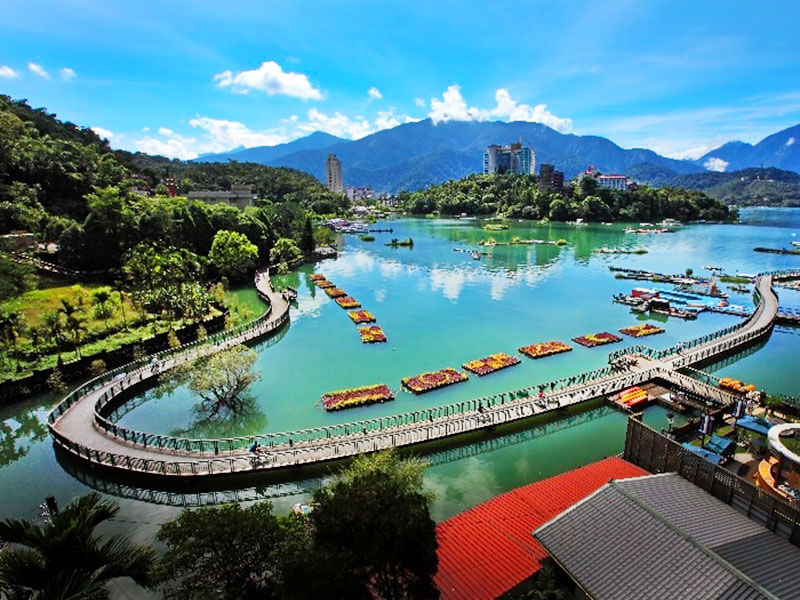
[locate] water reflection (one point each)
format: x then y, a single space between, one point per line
18 434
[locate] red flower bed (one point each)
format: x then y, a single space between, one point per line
544 349
642 330
335 292
348 302
361 316
431 381
317 277
360 396
322 283
371 334
597 339
490 364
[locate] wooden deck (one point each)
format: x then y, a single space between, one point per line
80 427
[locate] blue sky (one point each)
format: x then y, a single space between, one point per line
182 78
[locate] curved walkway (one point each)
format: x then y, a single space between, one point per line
78 424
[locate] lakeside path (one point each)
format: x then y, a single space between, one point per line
79 427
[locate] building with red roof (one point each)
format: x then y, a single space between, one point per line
487 550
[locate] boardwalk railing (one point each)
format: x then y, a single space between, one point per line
292 448
134 371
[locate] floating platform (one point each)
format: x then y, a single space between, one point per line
491 364
544 349
360 396
426 382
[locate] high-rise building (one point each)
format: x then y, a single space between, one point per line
333 173
514 158
550 179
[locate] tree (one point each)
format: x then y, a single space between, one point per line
233 254
307 237
99 299
11 324
65 558
77 328
228 552
15 279
372 532
220 380
284 251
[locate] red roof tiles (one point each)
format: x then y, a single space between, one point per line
487 550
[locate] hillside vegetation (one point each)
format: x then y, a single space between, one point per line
748 187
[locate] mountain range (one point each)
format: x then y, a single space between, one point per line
414 155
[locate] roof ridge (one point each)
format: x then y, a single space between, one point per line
700 546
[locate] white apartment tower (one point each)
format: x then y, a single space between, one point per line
333 174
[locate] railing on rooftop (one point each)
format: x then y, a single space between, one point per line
657 453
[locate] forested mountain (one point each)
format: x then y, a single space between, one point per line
63 183
762 187
781 150
413 155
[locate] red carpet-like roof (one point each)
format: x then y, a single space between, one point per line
487 550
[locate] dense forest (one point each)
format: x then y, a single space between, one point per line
520 196
65 184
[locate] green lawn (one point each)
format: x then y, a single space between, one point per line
105 334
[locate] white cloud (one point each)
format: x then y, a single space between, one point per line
67 74
38 70
7 72
689 154
453 107
225 135
374 93
420 102
337 124
716 164
790 141
145 129
103 132
269 78
218 135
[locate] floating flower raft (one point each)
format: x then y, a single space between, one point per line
544 349
597 339
371 334
490 364
335 292
348 302
317 277
360 396
361 316
322 283
642 330
431 381
734 384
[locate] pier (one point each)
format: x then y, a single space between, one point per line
82 427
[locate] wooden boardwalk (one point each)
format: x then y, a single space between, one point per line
79 424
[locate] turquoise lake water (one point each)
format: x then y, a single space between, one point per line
440 308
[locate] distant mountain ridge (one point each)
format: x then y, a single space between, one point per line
780 150
414 155
264 154
752 186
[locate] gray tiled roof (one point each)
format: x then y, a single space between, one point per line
661 537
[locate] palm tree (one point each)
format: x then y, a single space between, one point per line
11 323
54 328
76 327
65 559
99 299
119 289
